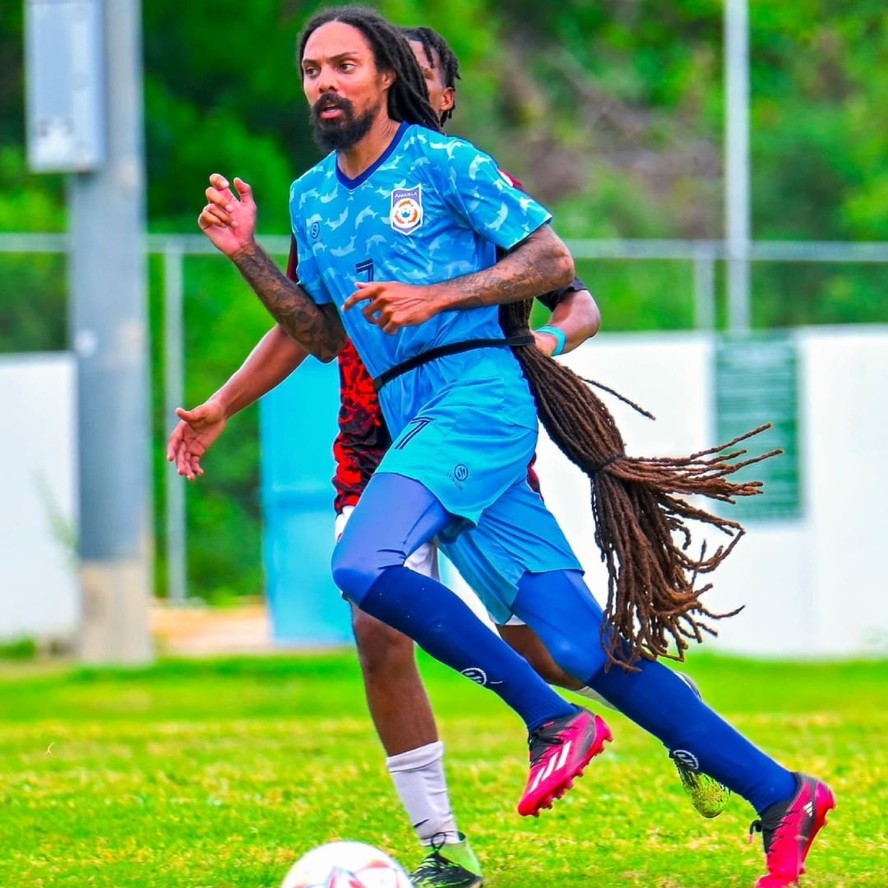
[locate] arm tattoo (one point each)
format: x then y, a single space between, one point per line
315 329
537 265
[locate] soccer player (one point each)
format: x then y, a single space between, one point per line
411 214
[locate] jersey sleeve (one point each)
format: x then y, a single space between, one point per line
309 276
487 200
553 298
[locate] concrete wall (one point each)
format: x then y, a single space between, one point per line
38 590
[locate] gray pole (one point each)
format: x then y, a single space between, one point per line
109 326
737 162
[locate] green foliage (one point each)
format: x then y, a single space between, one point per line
223 321
33 299
32 303
645 295
19 649
221 773
228 57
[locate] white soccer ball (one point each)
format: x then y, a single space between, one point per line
346 865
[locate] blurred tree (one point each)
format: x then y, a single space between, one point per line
33 303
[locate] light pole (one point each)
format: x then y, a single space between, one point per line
85 118
737 215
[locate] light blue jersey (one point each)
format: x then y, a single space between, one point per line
432 208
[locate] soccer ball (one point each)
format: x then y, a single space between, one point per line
346 865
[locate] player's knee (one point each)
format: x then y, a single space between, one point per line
527 643
573 661
352 575
358 563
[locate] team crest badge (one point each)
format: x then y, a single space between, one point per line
406 214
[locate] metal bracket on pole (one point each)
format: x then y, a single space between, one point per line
65 85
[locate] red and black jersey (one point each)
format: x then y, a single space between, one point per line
363 436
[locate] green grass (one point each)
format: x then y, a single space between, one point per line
218 774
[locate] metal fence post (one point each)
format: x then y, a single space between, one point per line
173 350
704 287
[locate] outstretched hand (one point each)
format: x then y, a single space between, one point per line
392 305
193 436
228 220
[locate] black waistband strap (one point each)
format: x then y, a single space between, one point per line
453 348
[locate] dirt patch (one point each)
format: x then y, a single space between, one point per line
199 630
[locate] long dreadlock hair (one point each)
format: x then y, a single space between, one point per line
641 516
435 45
408 96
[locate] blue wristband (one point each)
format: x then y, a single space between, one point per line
560 337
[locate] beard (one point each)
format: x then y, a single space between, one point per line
344 132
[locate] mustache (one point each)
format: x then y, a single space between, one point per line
326 103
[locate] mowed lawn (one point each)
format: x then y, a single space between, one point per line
220 773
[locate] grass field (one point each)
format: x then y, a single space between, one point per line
218 774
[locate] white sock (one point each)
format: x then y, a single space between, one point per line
589 694
419 779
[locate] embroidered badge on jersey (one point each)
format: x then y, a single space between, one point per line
406 213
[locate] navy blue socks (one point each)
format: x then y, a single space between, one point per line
444 626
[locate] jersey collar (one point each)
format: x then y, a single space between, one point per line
363 177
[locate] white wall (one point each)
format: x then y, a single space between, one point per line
845 404
813 586
38 591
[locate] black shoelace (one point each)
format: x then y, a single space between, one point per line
540 740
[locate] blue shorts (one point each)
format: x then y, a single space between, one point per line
466 427
515 535
473 432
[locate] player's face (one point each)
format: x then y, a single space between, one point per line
441 97
344 88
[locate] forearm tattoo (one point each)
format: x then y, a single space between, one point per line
540 264
317 331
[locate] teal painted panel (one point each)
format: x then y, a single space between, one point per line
298 423
756 382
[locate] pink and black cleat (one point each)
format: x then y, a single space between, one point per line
788 830
559 752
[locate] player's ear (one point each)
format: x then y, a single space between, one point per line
388 78
448 99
